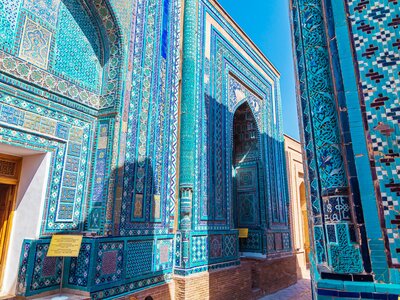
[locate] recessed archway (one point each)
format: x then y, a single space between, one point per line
245 161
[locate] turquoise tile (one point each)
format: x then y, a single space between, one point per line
352 286
330 284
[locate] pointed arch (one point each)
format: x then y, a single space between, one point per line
246 133
246 181
111 95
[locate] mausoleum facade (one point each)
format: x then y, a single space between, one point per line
151 127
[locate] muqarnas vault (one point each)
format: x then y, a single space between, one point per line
347 57
152 128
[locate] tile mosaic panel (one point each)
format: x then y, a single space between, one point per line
254 242
337 209
345 260
215 244
42 40
79 266
139 258
23 268
47 270
286 240
164 255
149 183
199 249
100 182
109 262
247 209
270 242
67 179
35 43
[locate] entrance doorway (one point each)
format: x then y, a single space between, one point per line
9 178
246 160
306 237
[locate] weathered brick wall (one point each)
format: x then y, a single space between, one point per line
270 276
231 283
162 292
251 280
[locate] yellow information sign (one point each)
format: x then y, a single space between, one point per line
243 233
65 245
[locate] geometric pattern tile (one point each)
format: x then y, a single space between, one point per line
164 255
215 246
78 42
9 11
109 262
375 34
46 9
79 267
47 270
230 245
199 249
139 258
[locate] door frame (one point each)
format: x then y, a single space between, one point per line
12 181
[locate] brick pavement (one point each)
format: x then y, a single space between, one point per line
300 291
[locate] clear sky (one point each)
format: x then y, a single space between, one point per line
266 22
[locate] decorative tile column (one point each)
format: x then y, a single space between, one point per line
187 119
335 242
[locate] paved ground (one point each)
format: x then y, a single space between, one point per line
300 291
64 297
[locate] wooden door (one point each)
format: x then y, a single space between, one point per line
6 206
9 179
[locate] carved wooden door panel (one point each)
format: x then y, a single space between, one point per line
247 196
246 156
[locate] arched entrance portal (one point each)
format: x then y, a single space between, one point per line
246 161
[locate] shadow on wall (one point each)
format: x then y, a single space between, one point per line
125 259
239 186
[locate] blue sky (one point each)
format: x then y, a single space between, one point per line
266 22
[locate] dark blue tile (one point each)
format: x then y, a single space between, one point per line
327 293
367 295
349 294
380 296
